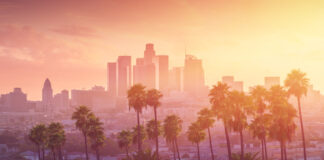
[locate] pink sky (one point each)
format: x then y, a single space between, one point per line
70 42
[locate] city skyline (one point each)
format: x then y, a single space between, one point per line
231 39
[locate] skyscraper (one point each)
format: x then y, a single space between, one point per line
175 79
124 74
233 85
162 72
149 53
194 80
47 95
112 79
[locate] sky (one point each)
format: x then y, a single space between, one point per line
71 41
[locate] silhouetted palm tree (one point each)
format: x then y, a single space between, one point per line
260 123
196 135
172 127
150 129
283 114
82 115
297 84
218 97
96 134
241 108
125 139
135 134
137 99
153 100
38 135
206 121
56 139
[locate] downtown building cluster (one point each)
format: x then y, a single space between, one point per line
153 71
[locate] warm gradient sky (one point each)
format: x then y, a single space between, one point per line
70 41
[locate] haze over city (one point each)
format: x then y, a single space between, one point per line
161 80
71 42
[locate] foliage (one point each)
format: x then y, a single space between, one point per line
172 127
137 97
150 129
195 133
153 97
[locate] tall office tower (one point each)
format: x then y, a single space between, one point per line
271 81
162 72
112 79
124 75
233 85
61 101
47 96
139 72
149 53
15 101
194 80
175 79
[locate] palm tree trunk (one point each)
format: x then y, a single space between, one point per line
86 146
176 142
39 152
97 153
265 148
228 143
302 127
198 151
281 150
285 151
242 145
54 156
139 142
174 150
157 135
262 148
127 153
210 144
43 150
60 153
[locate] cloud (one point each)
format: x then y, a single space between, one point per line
23 42
73 30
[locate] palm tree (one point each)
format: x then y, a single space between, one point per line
218 97
150 129
258 128
241 107
172 127
153 100
38 135
137 99
56 138
206 121
125 139
247 156
82 115
196 135
96 134
283 114
142 134
297 84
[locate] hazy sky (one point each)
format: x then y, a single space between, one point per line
70 41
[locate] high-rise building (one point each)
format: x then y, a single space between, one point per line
175 79
233 85
61 100
47 96
194 79
112 79
15 101
149 53
271 81
124 74
162 72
